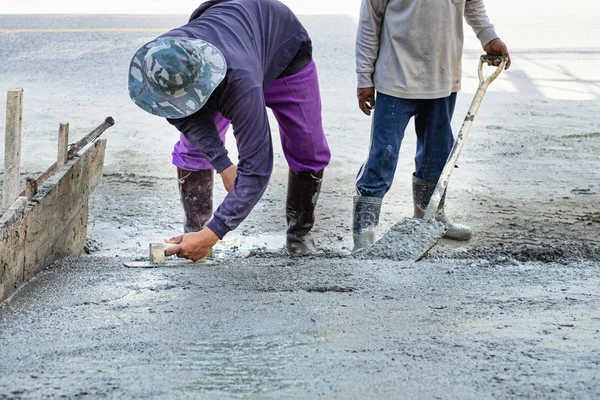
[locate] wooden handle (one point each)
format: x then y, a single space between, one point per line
486 58
459 142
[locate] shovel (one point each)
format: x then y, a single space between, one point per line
412 238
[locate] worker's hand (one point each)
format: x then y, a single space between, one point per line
366 99
193 246
497 48
228 176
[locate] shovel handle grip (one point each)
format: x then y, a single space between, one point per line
487 59
491 58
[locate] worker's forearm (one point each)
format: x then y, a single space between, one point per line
247 191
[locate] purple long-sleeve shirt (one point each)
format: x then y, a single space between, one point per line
259 40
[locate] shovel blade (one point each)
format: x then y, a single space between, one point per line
408 240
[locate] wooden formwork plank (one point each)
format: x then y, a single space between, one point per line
12 149
60 208
51 221
63 145
50 225
86 140
74 235
30 187
14 212
12 257
90 137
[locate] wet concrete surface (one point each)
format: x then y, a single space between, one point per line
273 327
513 313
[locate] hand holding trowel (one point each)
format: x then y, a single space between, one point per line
158 258
412 238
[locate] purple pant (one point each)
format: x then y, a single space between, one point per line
296 104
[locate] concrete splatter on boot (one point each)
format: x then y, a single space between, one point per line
196 191
365 221
302 195
422 191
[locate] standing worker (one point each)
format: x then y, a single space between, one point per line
410 52
230 61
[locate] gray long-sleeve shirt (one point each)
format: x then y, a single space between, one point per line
412 49
259 40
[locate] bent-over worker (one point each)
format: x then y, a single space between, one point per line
231 60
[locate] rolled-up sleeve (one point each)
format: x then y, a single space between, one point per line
367 40
253 137
476 17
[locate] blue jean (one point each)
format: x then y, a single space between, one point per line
390 118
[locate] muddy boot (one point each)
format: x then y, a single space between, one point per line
196 191
422 191
365 221
303 192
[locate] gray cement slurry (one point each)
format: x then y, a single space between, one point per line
408 240
289 327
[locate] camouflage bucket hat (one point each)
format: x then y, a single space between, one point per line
173 77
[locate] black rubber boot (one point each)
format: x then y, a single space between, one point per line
196 191
422 191
365 221
302 195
